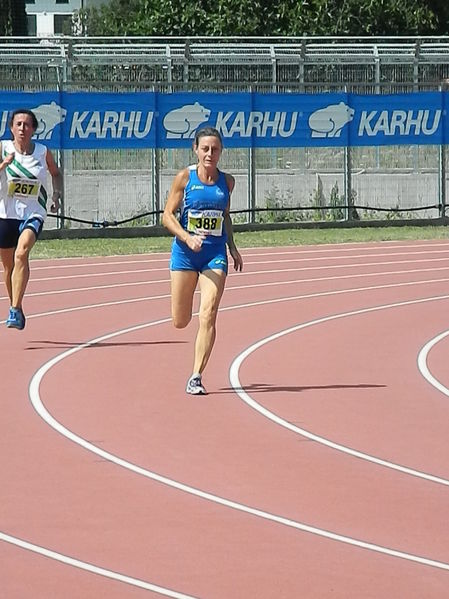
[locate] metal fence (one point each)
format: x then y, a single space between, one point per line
281 184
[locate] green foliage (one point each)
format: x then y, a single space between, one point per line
266 17
280 208
187 18
334 210
365 17
336 201
13 19
319 201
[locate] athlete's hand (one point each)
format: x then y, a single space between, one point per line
194 242
238 260
56 197
7 160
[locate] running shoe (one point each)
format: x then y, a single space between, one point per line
194 385
16 319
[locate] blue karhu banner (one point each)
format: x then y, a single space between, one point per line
159 120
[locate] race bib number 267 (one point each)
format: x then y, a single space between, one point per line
24 189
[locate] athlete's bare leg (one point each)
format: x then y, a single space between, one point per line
212 284
7 257
21 271
183 285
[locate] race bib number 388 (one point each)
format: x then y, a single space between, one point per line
206 222
24 189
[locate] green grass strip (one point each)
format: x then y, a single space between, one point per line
65 248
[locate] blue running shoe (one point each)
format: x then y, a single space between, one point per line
16 319
195 386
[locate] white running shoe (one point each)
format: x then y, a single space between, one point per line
194 385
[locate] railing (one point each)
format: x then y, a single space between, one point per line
136 50
276 181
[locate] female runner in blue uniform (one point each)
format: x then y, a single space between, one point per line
202 194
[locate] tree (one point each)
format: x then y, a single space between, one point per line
267 17
13 20
440 8
362 17
187 18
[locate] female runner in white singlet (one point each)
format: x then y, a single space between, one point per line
24 166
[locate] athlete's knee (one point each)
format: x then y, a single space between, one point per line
21 255
180 321
208 316
180 324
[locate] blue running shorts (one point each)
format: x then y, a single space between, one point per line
11 228
211 256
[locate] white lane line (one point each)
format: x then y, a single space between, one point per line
343 247
283 299
108 273
98 287
57 265
70 561
230 287
353 256
250 272
342 277
232 275
236 384
247 272
423 366
336 266
60 428
251 252
298 256
92 306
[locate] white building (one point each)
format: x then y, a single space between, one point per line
54 17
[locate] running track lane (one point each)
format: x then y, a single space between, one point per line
323 474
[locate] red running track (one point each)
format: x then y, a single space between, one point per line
317 467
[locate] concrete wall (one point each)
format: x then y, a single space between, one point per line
118 195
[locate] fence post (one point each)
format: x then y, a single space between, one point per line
347 179
442 163
63 74
252 185
156 169
252 177
442 179
347 183
377 92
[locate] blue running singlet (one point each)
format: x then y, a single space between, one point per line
202 211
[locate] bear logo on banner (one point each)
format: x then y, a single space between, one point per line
181 123
329 121
48 116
